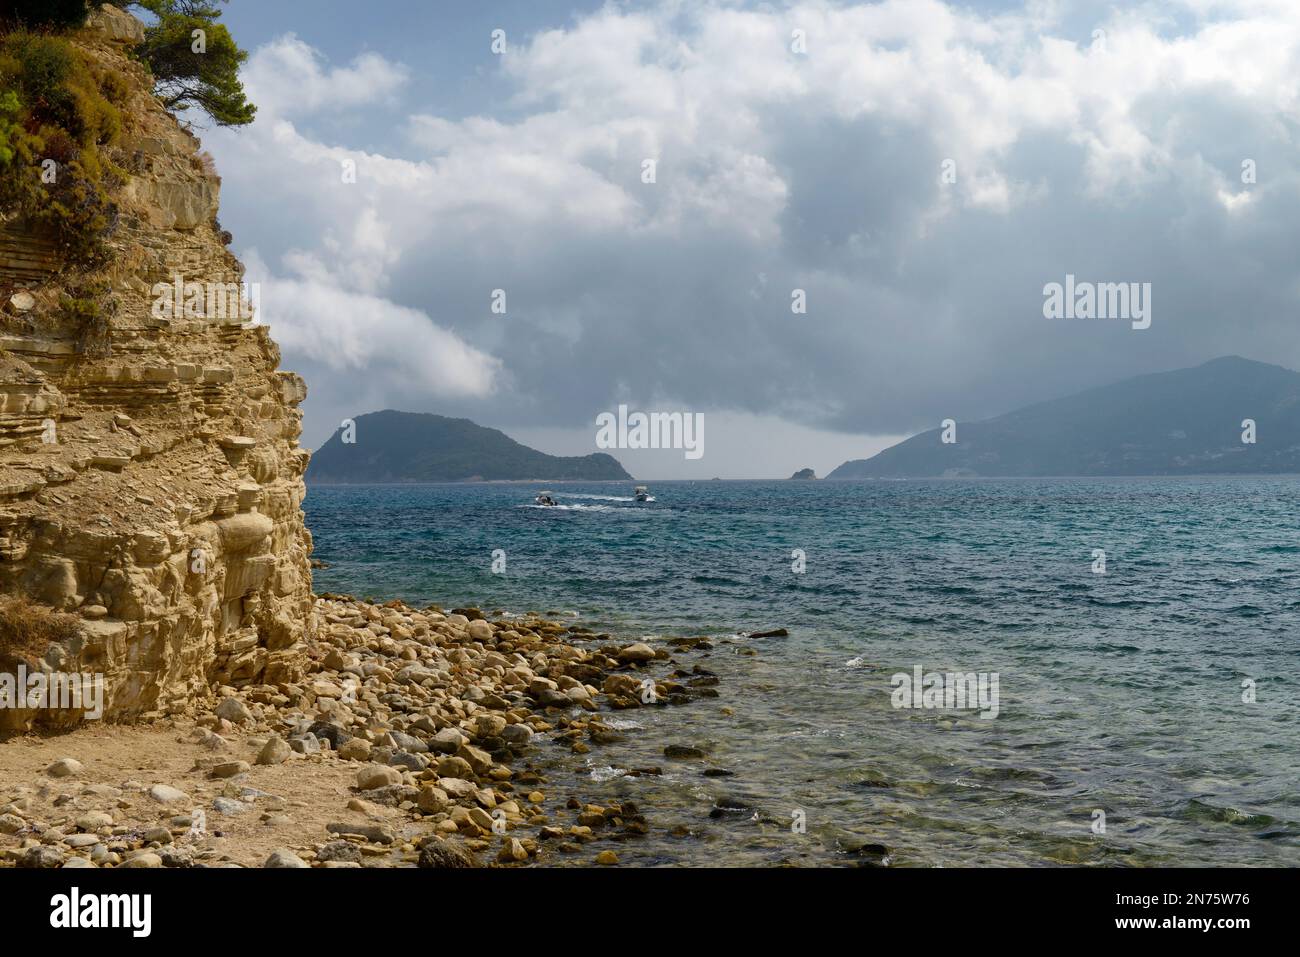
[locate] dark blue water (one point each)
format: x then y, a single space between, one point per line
1119 693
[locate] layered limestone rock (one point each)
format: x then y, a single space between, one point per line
150 474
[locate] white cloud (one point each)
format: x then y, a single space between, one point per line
287 77
347 331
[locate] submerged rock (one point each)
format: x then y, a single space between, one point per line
869 854
727 805
682 752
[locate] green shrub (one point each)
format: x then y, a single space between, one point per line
59 108
61 113
10 108
62 88
87 306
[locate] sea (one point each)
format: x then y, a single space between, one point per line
1137 642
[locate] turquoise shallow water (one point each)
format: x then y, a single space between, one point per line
1120 692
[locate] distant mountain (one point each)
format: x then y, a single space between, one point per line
803 474
395 447
1185 422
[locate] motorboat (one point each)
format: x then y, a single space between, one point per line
544 498
641 493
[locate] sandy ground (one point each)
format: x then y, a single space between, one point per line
312 790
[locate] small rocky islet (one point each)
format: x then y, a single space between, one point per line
434 718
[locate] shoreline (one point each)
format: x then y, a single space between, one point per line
785 480
409 741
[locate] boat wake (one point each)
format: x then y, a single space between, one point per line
601 498
568 508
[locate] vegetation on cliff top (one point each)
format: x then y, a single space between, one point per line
194 59
62 114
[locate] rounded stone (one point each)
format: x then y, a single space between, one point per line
377 776
147 859
355 749
275 751
64 768
234 710
282 857
166 794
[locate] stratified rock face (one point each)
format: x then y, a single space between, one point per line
150 475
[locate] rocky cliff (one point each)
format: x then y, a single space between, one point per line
150 477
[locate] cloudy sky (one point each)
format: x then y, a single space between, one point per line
798 146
